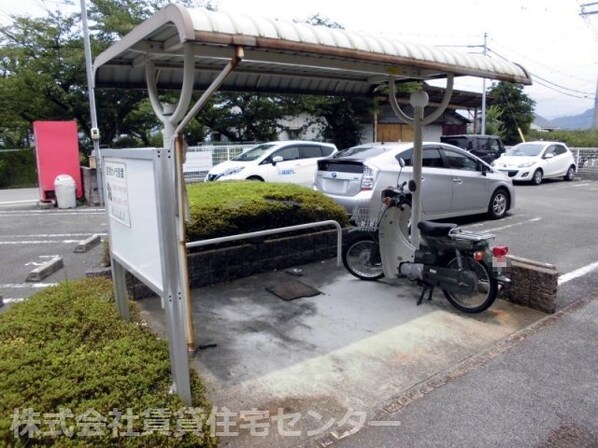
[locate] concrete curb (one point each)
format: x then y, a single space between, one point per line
88 243
46 269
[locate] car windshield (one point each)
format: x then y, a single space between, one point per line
525 150
360 152
254 153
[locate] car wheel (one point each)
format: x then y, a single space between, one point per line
258 178
570 173
537 178
499 204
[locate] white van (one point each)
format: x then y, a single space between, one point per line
291 161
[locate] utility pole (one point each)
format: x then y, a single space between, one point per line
483 127
588 9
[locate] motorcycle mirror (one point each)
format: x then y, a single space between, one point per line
402 162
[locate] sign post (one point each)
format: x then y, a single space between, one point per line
139 187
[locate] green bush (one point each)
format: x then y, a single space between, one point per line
229 208
573 139
18 169
67 348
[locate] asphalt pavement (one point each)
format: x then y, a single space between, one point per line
537 388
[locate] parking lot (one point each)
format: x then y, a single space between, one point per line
31 236
553 223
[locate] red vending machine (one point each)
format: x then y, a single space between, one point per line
57 150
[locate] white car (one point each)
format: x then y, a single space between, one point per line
534 161
291 161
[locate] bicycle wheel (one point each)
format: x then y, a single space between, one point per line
362 258
486 288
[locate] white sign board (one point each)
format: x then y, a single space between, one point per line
117 199
130 192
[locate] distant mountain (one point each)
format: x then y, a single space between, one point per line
543 123
581 121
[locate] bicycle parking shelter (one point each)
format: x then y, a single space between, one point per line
188 50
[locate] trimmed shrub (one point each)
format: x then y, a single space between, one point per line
233 207
66 351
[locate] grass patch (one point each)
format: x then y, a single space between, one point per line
66 351
229 208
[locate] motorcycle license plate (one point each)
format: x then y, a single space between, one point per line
500 262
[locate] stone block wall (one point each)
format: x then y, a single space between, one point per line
219 265
533 284
209 266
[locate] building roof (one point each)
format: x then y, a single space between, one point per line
279 56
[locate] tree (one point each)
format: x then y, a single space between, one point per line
247 117
43 77
493 124
515 110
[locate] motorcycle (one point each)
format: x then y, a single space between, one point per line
459 262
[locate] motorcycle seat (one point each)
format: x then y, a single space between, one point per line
429 228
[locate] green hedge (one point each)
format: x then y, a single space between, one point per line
18 169
229 208
67 348
573 139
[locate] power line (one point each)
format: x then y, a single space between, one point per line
554 86
552 69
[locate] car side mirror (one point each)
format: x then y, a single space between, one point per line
549 156
276 159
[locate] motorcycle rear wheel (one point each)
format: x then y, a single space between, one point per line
486 287
362 258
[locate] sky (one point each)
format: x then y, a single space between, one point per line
548 37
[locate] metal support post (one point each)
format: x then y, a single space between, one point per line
419 100
174 302
120 289
483 127
417 164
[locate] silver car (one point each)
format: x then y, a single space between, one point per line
454 182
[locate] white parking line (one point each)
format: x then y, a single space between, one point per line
13 300
502 220
517 224
93 211
58 235
16 243
26 285
577 273
24 201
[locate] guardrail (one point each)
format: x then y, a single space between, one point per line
243 236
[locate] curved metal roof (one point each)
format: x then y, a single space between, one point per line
280 56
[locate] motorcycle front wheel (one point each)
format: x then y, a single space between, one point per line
362 258
485 292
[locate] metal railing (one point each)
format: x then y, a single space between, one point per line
201 158
243 236
586 160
